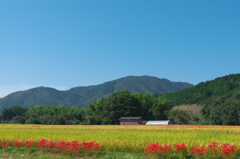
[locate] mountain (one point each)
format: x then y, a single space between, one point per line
81 96
220 99
215 91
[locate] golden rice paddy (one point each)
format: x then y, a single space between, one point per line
123 138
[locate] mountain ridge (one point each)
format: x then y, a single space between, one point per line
82 95
216 90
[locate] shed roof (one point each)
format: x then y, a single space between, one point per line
158 122
144 121
130 118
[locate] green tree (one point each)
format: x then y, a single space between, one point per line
214 117
179 116
7 114
95 115
119 104
230 112
18 111
58 115
46 119
19 119
146 105
160 108
59 120
33 120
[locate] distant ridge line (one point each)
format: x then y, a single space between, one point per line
83 95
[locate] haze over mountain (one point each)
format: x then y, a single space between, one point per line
81 96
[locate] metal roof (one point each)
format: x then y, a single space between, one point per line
130 118
158 122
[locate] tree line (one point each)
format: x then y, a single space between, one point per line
219 100
223 113
106 110
48 115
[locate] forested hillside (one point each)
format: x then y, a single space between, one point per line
217 90
220 99
82 96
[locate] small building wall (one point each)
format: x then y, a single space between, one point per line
159 122
130 121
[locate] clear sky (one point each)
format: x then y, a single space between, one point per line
69 43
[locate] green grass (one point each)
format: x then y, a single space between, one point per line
24 154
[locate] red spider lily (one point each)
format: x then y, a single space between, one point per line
146 153
72 148
154 149
167 148
197 150
16 143
60 146
5 143
51 144
69 149
28 143
74 144
42 143
180 146
91 146
69 146
228 149
213 146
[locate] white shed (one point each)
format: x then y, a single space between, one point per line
159 122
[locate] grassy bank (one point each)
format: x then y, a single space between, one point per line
36 154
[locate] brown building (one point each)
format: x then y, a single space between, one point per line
131 121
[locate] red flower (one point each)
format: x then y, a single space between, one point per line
51 144
91 146
16 143
180 146
146 153
212 144
227 149
157 149
5 143
197 150
28 143
42 142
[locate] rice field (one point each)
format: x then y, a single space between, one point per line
121 138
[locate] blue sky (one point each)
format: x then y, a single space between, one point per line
64 44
